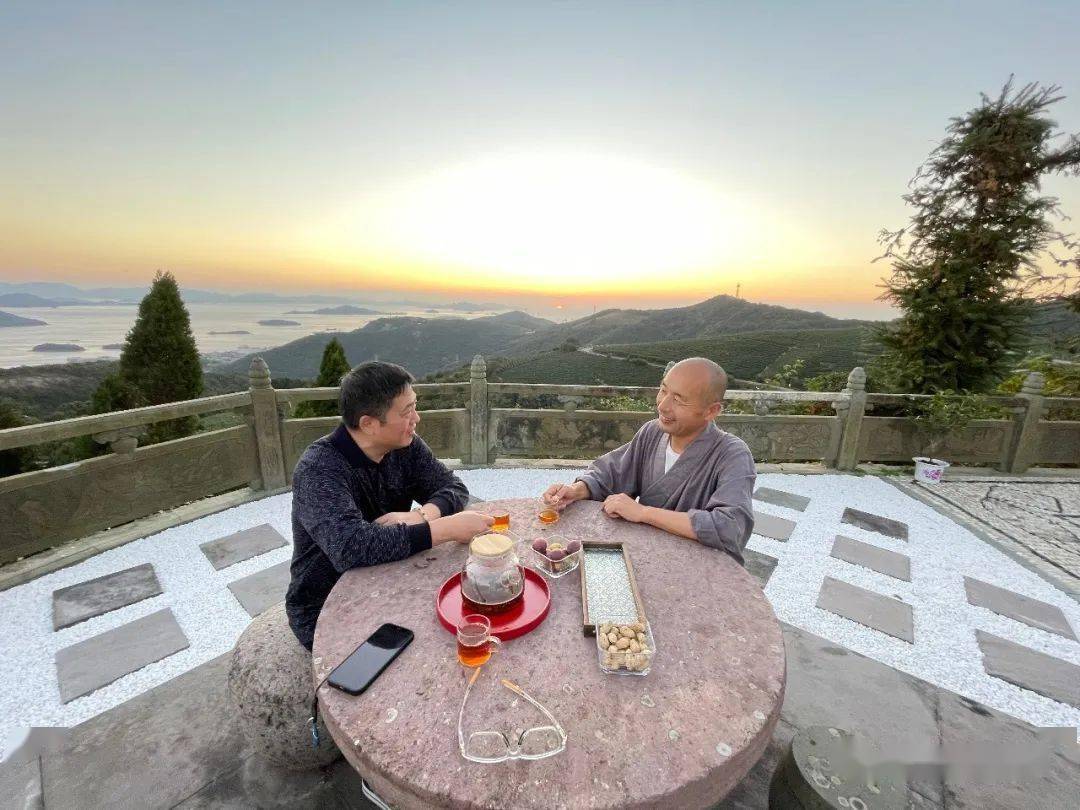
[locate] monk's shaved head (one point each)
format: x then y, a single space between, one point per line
711 379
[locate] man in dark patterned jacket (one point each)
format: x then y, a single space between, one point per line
353 491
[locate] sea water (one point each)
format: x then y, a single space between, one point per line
95 327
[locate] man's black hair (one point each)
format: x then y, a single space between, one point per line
370 390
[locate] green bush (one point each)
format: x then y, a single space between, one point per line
946 412
20 459
623 403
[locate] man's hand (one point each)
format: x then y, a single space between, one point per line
623 506
562 495
462 527
393 518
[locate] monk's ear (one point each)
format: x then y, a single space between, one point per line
715 410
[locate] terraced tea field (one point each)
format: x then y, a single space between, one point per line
755 355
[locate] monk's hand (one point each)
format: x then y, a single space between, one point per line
623 506
393 518
562 495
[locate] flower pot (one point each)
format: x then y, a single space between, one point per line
929 470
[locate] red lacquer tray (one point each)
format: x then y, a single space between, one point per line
526 616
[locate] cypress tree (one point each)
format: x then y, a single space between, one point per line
159 362
966 268
332 368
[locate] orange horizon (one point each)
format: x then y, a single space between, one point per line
800 288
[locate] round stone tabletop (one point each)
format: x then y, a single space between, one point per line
681 736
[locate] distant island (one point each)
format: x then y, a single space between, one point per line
236 331
7 319
344 309
58 347
278 322
113 347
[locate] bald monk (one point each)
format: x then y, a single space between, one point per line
680 472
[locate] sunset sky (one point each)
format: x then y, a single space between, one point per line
574 153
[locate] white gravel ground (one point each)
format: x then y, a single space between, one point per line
945 651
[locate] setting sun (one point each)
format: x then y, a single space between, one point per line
536 221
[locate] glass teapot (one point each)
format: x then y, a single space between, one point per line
492 579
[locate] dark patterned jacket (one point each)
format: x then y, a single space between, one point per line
337 494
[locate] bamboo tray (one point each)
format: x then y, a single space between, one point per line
589 623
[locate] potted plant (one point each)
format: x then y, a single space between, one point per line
943 413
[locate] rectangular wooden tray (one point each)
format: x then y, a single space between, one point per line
588 627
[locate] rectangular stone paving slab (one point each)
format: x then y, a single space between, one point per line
856 552
882 613
779 498
89 665
77 603
262 589
875 523
759 565
1019 608
777 528
1030 669
234 548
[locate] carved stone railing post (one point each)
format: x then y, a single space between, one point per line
267 425
850 414
1023 450
478 411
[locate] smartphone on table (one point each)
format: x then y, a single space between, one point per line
357 672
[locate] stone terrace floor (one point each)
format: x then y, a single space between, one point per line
909 614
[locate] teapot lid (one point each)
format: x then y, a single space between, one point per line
491 545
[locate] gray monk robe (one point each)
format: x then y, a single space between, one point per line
713 481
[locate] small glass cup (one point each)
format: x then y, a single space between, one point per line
502 520
475 644
546 514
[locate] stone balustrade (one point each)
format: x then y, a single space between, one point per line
43 508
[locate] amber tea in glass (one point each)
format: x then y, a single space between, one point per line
502 520
546 513
475 644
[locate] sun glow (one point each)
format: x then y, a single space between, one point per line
537 222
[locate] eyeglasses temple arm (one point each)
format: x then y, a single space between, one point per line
461 711
513 687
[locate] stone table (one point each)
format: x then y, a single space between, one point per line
681 736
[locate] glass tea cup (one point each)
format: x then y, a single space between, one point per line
547 514
501 518
475 644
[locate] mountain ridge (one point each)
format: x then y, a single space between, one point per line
412 341
422 345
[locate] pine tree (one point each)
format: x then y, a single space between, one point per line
966 268
332 368
159 362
